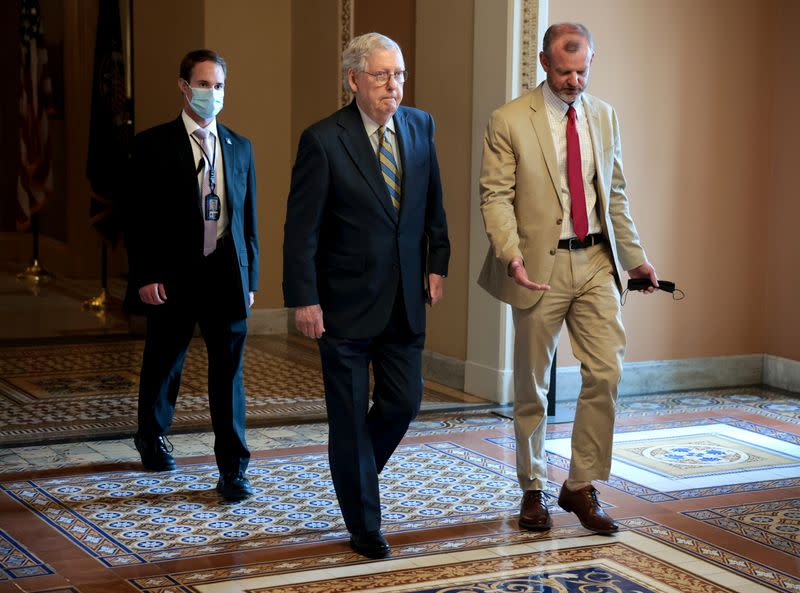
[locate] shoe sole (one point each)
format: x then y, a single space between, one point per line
373 556
585 526
535 526
236 497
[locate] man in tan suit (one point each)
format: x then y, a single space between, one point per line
555 210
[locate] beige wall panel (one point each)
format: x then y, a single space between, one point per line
315 64
255 39
782 259
684 77
163 32
396 20
444 88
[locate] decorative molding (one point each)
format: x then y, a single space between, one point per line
529 44
345 10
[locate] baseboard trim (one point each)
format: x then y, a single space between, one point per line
491 384
782 373
268 321
638 378
443 369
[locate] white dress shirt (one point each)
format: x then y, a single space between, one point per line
191 126
557 117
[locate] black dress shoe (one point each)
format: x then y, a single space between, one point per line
234 486
371 544
155 452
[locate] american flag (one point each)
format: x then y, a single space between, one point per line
35 178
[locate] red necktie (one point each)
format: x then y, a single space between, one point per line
580 223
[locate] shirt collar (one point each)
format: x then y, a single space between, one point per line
371 126
557 105
191 125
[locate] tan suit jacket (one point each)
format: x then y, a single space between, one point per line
520 188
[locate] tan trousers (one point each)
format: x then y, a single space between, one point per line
582 292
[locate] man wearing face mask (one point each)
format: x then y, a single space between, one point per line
556 212
193 254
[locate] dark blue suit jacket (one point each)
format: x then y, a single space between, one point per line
345 246
165 217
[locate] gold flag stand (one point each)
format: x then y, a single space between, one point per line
35 273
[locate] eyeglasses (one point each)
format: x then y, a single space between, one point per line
383 76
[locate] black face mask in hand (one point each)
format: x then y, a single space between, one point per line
644 284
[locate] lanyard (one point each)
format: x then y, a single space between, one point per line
212 174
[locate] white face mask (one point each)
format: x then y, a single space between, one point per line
206 103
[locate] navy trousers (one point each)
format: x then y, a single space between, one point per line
362 438
199 297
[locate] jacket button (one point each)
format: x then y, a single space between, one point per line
559 221
552 252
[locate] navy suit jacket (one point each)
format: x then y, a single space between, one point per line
345 246
165 216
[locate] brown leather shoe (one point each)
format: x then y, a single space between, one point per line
533 513
584 503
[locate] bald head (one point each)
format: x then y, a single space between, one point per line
566 57
571 37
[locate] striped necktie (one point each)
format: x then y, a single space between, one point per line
389 166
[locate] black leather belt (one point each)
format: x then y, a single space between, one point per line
576 243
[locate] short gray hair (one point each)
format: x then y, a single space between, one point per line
557 30
354 56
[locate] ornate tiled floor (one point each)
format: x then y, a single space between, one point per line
68 391
706 486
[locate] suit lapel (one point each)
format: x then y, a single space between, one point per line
354 138
405 142
541 125
187 166
593 119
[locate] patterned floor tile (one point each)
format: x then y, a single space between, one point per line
722 557
124 518
90 390
691 458
571 566
16 562
775 523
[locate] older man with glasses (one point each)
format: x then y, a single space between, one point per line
365 244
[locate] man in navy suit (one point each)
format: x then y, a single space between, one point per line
193 255
365 229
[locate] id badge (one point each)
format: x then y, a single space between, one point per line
212 207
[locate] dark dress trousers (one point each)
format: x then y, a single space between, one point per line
349 250
165 244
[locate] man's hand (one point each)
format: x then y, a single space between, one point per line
309 321
516 269
252 298
645 271
153 294
435 288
